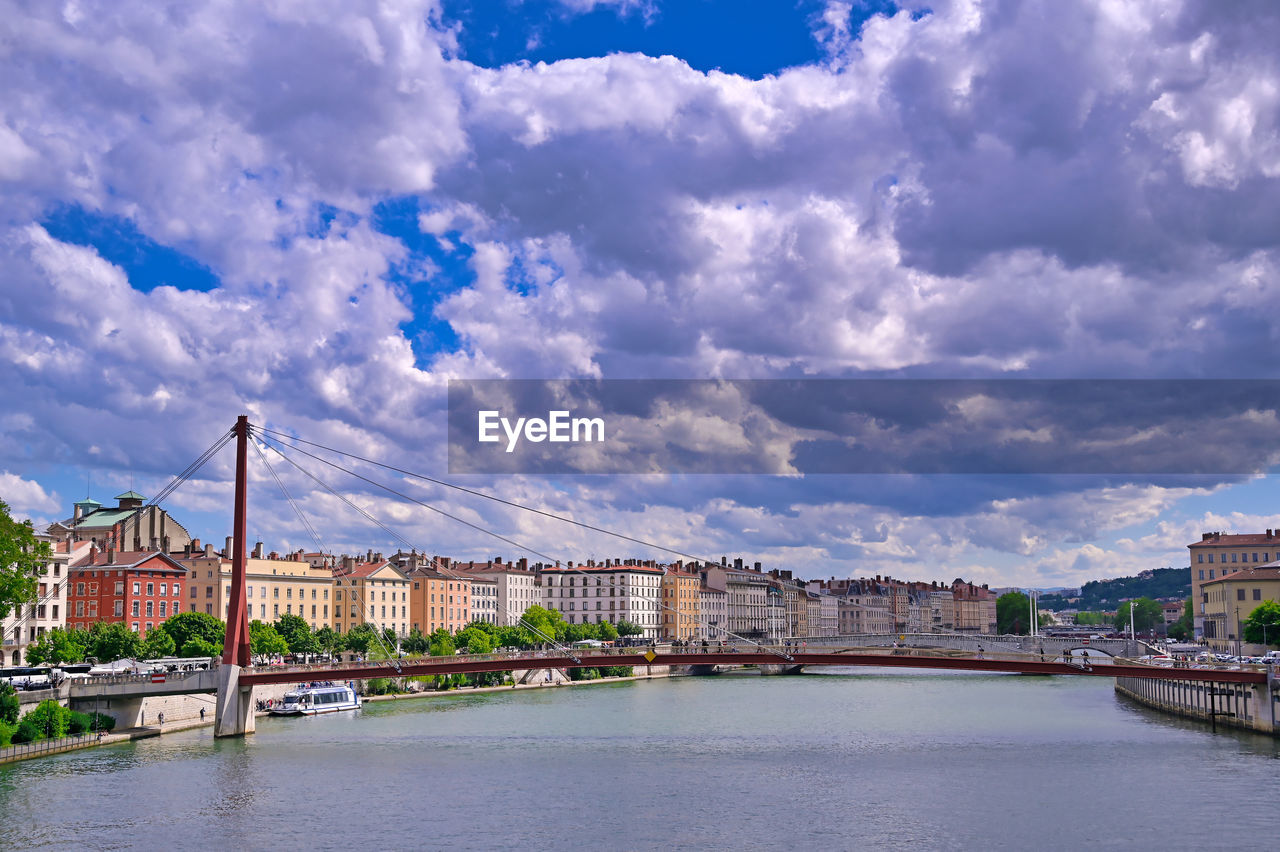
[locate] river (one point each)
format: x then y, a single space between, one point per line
843 760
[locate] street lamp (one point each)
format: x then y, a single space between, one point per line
1238 631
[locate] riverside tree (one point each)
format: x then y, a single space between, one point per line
1146 615
58 645
1013 614
22 556
1262 627
265 640
297 634
187 626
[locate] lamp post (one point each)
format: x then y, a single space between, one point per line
1238 632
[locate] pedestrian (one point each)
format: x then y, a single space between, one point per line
162 719
201 714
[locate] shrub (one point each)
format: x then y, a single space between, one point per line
51 718
6 734
80 722
10 706
101 722
27 732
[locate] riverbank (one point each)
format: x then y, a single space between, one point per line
45 748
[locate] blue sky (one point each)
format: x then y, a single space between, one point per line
320 216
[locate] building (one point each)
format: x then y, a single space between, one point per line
749 614
1229 600
613 592
27 622
865 607
975 607
130 526
441 599
518 587
1217 554
713 611
141 588
681 598
373 592
274 585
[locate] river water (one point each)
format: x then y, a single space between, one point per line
843 760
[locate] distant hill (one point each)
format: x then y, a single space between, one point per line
1108 594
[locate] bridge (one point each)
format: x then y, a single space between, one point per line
236 677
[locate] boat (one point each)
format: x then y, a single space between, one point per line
312 700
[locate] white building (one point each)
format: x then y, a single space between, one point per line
518 588
590 594
28 621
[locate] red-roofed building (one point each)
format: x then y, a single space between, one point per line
141 588
1218 554
373 592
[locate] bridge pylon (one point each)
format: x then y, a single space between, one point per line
234 710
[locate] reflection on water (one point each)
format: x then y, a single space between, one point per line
844 759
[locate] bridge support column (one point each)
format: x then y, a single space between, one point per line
233 713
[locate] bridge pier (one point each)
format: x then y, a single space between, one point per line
233 712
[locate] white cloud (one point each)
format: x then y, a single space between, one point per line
27 498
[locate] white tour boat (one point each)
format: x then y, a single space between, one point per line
312 700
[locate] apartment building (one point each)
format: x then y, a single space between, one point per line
373 592
1229 600
681 598
1218 554
613 592
139 588
27 622
275 585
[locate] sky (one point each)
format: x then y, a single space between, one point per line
319 214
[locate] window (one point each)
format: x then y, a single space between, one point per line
1255 557
119 587
135 611
288 593
1211 558
326 595
326 611
193 591
1233 557
164 589
150 609
1201 573
151 589
80 589
162 609
275 593
313 610
248 591
275 610
79 609
119 613
1210 573
93 588
1257 594
208 591
288 608
137 588
55 608
134 627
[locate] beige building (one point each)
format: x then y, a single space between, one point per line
681 611
589 594
374 593
274 586
518 588
975 608
713 612
1218 554
1229 600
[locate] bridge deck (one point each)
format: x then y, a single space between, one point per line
722 657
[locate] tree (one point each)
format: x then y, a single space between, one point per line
475 641
1013 614
1146 615
328 639
186 626
359 638
158 644
58 645
51 718
606 631
628 628
1262 627
113 641
10 705
297 634
441 643
415 642
545 624
197 647
22 556
265 640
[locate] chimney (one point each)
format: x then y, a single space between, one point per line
226 549
257 550
155 543
195 544
208 549
166 544
737 563
111 555
369 556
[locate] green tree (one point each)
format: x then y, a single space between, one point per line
197 647
514 636
158 644
1146 615
58 645
475 641
113 641
22 556
359 638
196 625
628 628
297 634
415 642
1262 627
606 632
51 718
545 624
441 643
10 706
1013 614
328 639
265 640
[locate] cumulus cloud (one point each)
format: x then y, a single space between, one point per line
27 498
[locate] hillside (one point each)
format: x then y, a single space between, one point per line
1107 594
